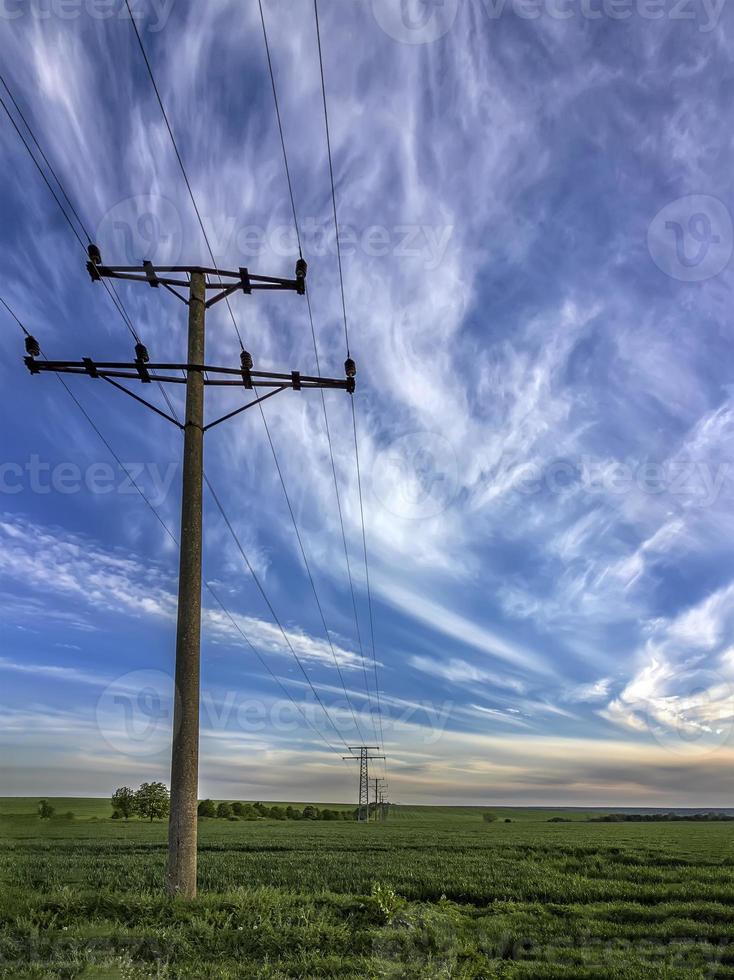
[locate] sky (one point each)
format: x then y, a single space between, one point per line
535 202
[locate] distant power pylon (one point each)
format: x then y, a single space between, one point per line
384 807
364 758
380 785
190 284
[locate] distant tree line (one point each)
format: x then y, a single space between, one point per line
151 802
259 811
661 817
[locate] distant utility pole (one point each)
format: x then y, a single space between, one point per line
379 784
190 284
364 758
383 807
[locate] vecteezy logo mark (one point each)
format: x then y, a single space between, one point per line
699 228
142 227
135 713
415 21
691 239
416 476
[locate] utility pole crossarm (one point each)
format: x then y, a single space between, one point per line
132 370
207 375
175 277
220 377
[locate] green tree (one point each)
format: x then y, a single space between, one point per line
123 801
207 808
224 811
45 810
310 812
248 812
152 801
489 817
238 808
277 813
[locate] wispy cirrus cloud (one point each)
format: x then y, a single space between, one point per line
571 401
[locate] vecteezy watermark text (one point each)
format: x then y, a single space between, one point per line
150 226
152 15
427 21
705 12
700 482
135 714
40 477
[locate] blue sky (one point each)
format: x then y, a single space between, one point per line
535 201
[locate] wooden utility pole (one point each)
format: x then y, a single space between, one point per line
191 285
182 824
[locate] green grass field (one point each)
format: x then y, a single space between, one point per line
432 892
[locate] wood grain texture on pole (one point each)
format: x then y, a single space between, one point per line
182 826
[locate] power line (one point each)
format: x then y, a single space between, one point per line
346 336
178 157
182 855
109 287
313 584
331 174
126 318
367 573
206 239
267 667
44 157
173 538
318 371
43 175
111 292
280 126
14 317
256 579
118 304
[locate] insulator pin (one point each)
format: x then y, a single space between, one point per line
350 368
141 353
95 256
246 360
33 348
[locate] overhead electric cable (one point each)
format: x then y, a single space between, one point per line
331 174
126 319
180 160
109 289
346 337
173 538
234 322
318 371
268 603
